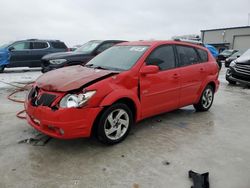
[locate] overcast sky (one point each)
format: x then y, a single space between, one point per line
77 21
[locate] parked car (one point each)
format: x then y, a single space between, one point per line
213 50
231 58
123 85
28 53
225 54
239 70
79 56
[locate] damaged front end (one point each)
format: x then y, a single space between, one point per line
61 109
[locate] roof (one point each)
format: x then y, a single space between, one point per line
158 42
40 40
226 28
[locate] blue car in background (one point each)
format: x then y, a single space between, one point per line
28 53
214 52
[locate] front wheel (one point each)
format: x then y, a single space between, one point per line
114 124
2 68
206 99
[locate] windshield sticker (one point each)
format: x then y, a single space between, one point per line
137 49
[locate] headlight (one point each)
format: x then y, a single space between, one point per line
232 64
57 61
74 100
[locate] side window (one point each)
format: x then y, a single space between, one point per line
187 55
21 46
40 45
58 45
203 55
163 57
104 47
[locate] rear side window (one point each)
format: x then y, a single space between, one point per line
58 45
187 55
104 47
203 55
40 45
163 57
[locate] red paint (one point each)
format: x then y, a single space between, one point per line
159 92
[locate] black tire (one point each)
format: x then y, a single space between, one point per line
104 125
219 65
2 69
204 105
231 82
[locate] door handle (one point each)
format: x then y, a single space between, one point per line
175 76
202 70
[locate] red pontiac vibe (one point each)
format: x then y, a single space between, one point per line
121 86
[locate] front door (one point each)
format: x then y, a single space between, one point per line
159 92
20 54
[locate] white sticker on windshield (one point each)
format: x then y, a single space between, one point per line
137 49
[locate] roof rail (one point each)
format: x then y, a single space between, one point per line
190 41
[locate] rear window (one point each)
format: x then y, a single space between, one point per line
187 55
40 45
203 55
58 45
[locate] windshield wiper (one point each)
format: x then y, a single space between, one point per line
88 65
95 67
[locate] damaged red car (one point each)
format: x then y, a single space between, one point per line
121 86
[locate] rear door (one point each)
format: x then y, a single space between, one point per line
39 49
192 74
159 92
20 55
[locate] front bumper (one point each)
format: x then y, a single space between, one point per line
232 75
65 123
46 66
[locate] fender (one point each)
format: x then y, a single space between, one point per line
5 57
120 94
209 79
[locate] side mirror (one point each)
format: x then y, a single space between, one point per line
149 69
11 48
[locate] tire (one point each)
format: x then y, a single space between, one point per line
231 82
206 99
228 73
2 69
219 65
111 128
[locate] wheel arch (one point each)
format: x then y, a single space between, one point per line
119 96
210 82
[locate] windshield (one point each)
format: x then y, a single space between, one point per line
236 54
88 47
244 57
227 52
5 45
118 58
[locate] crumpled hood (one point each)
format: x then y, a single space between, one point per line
61 55
70 78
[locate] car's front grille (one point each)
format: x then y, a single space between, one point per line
41 99
242 68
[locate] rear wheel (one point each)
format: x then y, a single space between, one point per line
206 99
2 68
114 124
